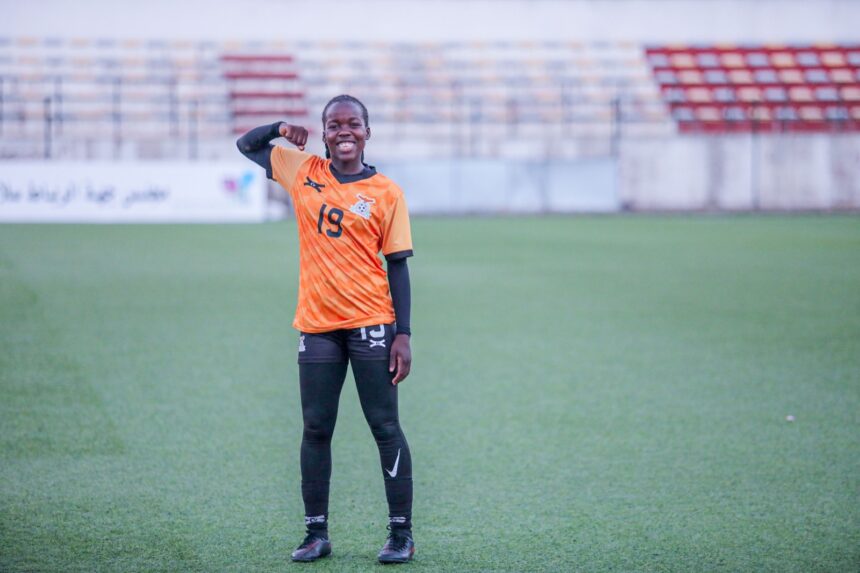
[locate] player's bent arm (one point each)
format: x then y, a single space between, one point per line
255 145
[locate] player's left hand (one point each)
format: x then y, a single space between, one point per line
400 361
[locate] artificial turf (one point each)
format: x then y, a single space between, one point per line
588 393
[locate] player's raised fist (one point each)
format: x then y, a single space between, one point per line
295 134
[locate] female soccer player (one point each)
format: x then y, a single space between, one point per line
347 312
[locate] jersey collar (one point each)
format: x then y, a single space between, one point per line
366 173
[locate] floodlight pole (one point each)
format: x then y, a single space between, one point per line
1 104
117 116
47 112
192 130
754 187
173 113
58 104
615 135
566 120
460 117
475 120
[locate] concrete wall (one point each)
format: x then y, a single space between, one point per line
492 186
741 172
682 173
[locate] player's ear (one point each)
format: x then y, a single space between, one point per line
368 133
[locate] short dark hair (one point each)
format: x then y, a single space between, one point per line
349 99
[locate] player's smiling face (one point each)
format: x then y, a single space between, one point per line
345 133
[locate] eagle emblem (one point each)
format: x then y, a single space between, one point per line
362 206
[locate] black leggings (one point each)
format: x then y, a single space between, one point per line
321 384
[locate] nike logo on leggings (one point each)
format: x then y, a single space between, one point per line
393 472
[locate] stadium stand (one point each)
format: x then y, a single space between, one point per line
808 88
85 98
483 99
262 88
107 98
98 98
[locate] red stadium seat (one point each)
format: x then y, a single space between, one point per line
731 88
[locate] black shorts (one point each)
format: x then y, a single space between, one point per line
365 343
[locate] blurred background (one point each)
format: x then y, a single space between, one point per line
113 111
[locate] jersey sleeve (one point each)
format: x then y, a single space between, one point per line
396 233
286 164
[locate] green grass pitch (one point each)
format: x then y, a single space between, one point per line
588 394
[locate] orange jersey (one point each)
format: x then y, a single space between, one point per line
342 228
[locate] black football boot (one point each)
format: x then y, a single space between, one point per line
398 548
315 546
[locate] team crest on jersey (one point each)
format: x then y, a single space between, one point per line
362 206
